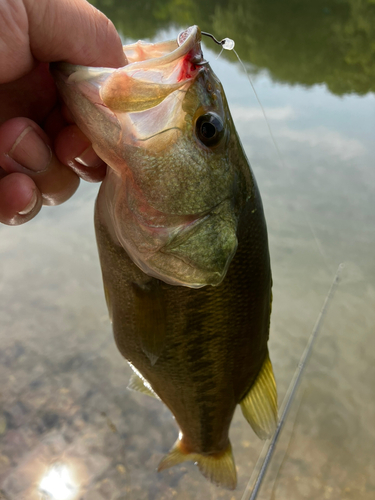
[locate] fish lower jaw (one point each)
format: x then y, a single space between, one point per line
176 262
155 248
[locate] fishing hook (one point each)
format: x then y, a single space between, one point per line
213 38
226 43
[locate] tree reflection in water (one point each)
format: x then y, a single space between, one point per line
322 42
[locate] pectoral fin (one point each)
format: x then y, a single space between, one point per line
259 406
219 468
150 318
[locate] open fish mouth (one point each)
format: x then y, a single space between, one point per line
150 83
186 44
154 72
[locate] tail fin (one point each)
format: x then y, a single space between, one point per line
219 468
259 406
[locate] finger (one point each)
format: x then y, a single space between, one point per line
74 149
54 123
66 113
43 30
33 95
95 41
25 148
20 199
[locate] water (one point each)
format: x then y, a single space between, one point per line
63 397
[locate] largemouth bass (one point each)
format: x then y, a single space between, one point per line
183 243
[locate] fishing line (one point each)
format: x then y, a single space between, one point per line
229 44
219 54
255 481
268 449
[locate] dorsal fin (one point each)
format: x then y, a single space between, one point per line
259 406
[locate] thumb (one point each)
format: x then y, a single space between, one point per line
55 30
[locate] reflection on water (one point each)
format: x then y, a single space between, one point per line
328 451
57 483
63 397
325 41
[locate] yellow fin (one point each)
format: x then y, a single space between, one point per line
136 383
259 406
219 468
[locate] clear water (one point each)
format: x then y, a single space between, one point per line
63 397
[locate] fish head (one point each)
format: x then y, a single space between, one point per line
177 175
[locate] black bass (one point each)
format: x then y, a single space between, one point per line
183 243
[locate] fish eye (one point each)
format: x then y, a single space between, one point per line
209 129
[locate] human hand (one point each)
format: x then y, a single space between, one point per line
42 155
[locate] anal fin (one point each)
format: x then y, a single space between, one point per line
219 468
136 383
259 406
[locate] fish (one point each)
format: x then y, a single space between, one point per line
183 244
